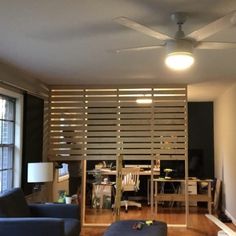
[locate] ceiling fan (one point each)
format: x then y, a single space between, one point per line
180 47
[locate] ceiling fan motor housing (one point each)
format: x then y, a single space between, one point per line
179 46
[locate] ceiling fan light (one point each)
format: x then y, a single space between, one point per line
179 60
144 100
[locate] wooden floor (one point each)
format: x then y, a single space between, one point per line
200 225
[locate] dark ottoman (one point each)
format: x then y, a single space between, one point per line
125 228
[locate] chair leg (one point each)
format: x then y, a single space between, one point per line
133 203
126 205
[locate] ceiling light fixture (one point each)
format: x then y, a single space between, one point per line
179 54
179 60
144 100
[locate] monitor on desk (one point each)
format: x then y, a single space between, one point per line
177 167
195 164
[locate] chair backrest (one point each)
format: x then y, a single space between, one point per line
130 178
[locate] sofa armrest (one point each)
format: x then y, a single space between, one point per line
30 226
55 210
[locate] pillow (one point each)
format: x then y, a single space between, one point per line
13 204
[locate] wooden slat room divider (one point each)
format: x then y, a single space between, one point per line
91 123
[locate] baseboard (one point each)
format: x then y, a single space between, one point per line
231 217
221 225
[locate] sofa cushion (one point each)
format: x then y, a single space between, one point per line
13 204
72 227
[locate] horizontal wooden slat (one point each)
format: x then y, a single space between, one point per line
169 133
169 92
169 115
115 145
169 127
169 151
63 105
74 130
67 133
76 127
168 121
67 110
66 158
67 92
136 122
66 140
171 157
66 145
66 122
170 197
181 197
65 116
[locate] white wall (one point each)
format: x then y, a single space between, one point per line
225 147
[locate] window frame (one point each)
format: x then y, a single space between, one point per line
17 151
8 121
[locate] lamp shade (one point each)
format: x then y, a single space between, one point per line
40 172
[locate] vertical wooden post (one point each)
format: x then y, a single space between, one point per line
83 192
186 166
119 161
151 185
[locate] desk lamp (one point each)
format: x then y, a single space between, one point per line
38 173
167 173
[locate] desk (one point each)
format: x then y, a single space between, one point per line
106 171
143 172
179 197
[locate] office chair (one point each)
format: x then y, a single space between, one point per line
130 182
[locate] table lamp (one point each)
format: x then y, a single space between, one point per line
38 173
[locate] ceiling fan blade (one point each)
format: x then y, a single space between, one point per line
135 49
215 26
141 28
215 45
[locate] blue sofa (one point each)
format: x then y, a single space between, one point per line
17 218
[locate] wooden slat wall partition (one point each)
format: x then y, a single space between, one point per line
102 123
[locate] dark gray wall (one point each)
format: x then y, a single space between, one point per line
32 136
201 135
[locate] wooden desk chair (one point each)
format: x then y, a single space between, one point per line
130 182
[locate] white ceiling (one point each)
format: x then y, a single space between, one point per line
71 42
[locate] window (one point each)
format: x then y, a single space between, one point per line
63 172
7 142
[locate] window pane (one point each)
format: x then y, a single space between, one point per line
7 157
0 181
6 180
2 107
7 132
1 150
64 170
8 110
1 130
